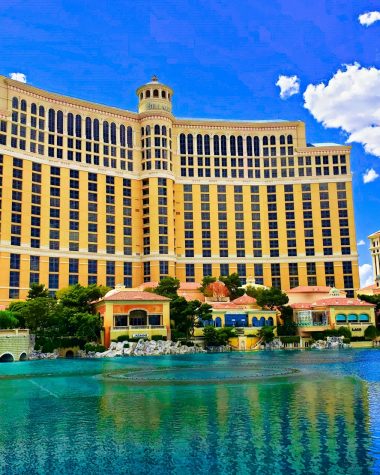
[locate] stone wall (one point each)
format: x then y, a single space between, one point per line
15 345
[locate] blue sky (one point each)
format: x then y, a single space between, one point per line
222 59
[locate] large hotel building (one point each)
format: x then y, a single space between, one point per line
96 194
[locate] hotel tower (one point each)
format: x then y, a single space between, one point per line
96 194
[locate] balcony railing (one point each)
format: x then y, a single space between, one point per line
140 327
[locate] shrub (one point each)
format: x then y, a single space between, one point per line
177 335
158 337
122 338
8 320
290 339
347 340
345 332
94 347
370 333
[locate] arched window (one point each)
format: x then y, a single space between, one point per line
42 111
147 94
207 144
340 318
122 135
182 143
51 120
270 322
273 140
155 93
106 132
233 145
163 94
78 125
282 139
256 146
240 146
169 97
113 133
163 130
70 124
363 317
96 130
60 122
290 139
265 140
23 105
199 144
223 147
249 146
33 108
129 137
218 322
255 322
157 129
352 317
141 95
190 147
88 128
15 103
142 131
147 130
216 145
262 322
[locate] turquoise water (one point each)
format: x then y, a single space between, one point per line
239 413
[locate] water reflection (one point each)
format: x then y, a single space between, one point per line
306 424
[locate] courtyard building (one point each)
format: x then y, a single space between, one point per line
96 194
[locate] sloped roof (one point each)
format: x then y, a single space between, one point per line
342 302
134 295
309 289
244 300
300 306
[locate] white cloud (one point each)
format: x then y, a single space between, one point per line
370 175
369 18
366 275
18 77
350 101
289 85
361 242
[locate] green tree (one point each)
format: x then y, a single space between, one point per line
266 334
8 320
233 284
79 298
269 298
168 287
288 328
370 333
37 290
210 336
40 317
17 309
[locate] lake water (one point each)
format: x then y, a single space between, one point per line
283 412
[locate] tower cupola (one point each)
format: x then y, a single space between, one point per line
154 96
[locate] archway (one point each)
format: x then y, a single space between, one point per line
23 357
69 354
6 358
270 322
262 322
138 317
218 322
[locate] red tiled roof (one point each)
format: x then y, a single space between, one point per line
342 302
244 300
369 287
133 295
309 289
223 305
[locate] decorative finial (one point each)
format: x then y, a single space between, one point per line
154 78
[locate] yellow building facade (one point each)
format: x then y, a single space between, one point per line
95 194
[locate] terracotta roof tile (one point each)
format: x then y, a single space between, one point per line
244 300
342 301
309 289
134 295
